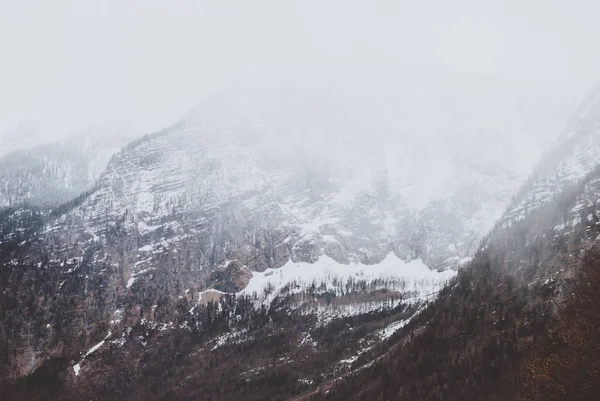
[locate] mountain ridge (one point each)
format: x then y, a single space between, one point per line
147 266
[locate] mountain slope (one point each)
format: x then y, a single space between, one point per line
574 155
149 268
266 176
45 172
519 321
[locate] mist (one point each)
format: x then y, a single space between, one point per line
299 200
68 64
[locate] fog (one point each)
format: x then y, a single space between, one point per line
71 63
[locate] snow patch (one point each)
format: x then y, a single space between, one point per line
95 348
415 274
390 329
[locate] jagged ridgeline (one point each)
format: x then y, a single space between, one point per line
263 249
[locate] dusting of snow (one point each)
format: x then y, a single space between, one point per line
233 337
390 329
307 339
350 360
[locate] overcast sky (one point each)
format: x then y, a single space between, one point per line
80 62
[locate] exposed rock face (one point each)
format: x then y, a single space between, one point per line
231 277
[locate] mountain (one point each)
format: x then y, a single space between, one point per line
575 154
263 245
40 171
293 165
520 321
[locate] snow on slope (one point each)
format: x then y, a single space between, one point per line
401 282
574 156
45 169
413 276
266 174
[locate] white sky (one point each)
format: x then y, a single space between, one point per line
80 62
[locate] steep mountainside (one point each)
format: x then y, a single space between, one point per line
575 154
44 172
259 248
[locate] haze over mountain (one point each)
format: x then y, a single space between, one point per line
299 201
275 196
46 170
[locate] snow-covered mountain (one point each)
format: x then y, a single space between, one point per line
39 170
264 174
261 176
571 159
